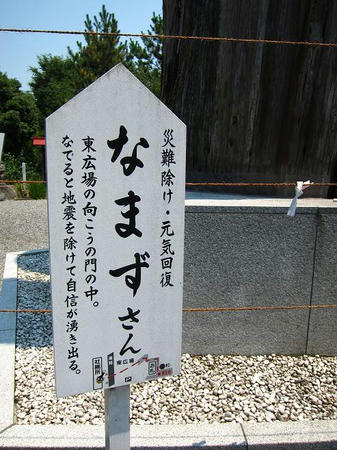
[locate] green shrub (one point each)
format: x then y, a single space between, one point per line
13 171
37 191
19 190
13 168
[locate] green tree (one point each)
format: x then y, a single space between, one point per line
146 59
53 83
99 53
58 79
8 88
18 117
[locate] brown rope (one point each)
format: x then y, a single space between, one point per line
258 184
37 311
216 309
22 182
238 184
163 36
259 308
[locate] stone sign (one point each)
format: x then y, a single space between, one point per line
116 184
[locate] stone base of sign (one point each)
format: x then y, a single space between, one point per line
7 192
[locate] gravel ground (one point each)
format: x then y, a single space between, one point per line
211 388
23 225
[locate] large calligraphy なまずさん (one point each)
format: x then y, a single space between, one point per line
129 164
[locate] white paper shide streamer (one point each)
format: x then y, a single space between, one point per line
298 192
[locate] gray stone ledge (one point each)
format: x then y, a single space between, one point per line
216 199
320 435
224 203
238 209
149 437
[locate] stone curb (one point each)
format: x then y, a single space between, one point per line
7 340
320 435
8 300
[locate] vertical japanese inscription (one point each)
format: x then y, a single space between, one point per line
89 181
167 233
69 204
131 316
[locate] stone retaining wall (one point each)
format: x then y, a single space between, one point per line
248 256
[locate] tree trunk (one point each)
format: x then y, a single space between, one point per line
254 112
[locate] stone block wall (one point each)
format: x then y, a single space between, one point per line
258 256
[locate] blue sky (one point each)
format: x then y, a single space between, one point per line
19 51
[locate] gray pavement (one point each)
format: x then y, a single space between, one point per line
23 226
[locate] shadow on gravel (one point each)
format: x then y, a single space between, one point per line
42 258
33 329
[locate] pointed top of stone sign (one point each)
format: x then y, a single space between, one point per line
118 85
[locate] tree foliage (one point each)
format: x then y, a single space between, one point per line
53 83
18 117
99 53
56 79
146 59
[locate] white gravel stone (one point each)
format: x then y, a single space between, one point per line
211 388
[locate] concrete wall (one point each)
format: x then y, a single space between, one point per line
257 255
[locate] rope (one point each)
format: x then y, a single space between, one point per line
23 182
238 184
37 311
164 36
216 309
259 308
258 184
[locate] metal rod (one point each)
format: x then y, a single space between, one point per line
117 418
